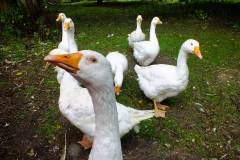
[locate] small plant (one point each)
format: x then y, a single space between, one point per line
147 128
236 25
200 14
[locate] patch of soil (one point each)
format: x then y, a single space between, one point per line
20 118
18 121
226 76
181 155
163 59
133 146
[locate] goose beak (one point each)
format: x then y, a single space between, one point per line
117 90
69 62
197 52
59 18
159 21
66 26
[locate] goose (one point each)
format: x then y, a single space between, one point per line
137 35
61 18
67 44
76 103
162 81
119 65
145 52
92 70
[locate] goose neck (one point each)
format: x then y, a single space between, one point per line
107 129
153 36
182 63
138 26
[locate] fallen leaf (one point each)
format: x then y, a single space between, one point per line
19 73
30 153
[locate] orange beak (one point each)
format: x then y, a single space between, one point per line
69 62
197 52
159 21
59 18
117 90
66 26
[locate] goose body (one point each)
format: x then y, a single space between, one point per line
162 81
119 66
76 105
137 35
82 65
145 52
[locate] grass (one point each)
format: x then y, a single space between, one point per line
50 125
201 116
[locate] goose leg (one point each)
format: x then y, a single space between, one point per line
159 109
117 90
162 107
86 142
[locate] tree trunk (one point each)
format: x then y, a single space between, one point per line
5 4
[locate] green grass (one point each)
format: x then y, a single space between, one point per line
50 125
212 81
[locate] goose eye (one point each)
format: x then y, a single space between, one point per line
191 44
92 60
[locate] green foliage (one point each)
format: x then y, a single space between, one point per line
147 128
236 25
30 90
43 30
200 14
11 20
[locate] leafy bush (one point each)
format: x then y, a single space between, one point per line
236 25
200 14
16 21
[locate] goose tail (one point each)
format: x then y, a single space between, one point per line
142 115
137 68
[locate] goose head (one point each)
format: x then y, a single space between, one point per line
61 17
68 24
88 67
192 46
139 19
156 21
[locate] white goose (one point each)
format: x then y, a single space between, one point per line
145 52
119 65
137 35
76 104
61 18
94 71
67 44
161 81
